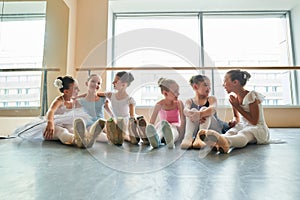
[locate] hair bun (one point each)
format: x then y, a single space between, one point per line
160 81
58 83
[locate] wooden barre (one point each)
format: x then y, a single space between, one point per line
28 69
192 68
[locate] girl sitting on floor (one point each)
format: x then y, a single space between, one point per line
200 112
94 105
170 112
59 119
248 115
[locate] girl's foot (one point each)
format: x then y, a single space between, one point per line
141 123
220 141
79 132
187 142
168 135
132 129
120 130
95 130
198 142
152 136
112 132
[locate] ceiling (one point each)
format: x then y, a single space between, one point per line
201 5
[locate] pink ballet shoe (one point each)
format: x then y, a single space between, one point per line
220 141
187 143
198 142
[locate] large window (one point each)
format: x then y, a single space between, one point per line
195 40
253 39
156 41
22 30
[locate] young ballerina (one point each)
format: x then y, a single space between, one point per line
93 104
200 112
123 107
61 105
248 115
58 124
170 112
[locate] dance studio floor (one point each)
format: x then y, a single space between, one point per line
33 169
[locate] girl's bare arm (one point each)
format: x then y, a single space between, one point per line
155 113
49 130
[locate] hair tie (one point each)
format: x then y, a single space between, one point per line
245 76
58 83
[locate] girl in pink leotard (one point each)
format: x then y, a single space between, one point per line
171 117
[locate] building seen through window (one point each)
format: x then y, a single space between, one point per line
22 30
223 39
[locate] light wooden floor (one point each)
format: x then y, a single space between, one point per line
32 169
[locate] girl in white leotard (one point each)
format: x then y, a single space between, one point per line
248 115
58 122
123 105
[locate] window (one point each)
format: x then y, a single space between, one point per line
153 40
22 30
252 39
203 39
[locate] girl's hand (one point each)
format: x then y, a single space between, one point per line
232 123
48 133
233 101
202 120
188 113
194 116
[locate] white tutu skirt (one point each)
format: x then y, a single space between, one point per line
35 129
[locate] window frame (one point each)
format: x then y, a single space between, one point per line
294 89
24 11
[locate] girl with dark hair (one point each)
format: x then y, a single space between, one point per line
247 115
59 119
200 112
123 107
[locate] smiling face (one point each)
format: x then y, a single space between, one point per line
76 89
94 83
72 92
118 84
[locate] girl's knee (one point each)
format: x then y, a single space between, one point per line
229 133
194 109
165 123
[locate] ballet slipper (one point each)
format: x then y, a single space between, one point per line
141 125
220 141
202 134
215 148
198 142
79 132
120 131
112 132
168 135
187 141
152 136
95 130
110 129
133 133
